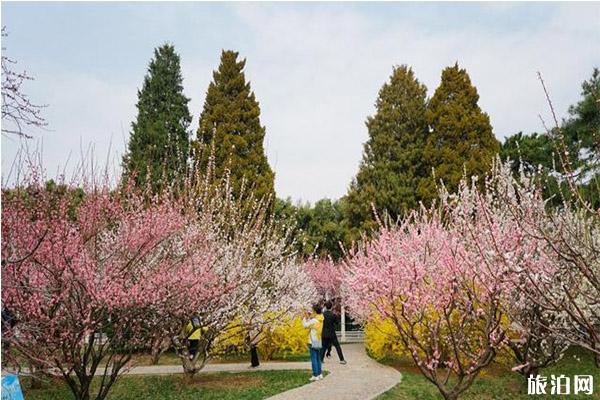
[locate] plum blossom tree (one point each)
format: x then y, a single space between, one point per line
565 288
447 313
254 259
326 275
487 221
484 270
90 284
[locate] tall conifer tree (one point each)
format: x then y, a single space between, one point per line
230 129
392 166
158 147
460 135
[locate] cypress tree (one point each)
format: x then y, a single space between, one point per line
391 167
158 147
230 129
460 135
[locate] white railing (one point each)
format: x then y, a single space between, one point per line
351 336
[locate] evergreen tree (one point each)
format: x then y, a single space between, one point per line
230 129
579 137
460 135
528 151
582 129
158 147
391 166
319 229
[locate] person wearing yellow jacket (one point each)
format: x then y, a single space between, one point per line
193 333
314 322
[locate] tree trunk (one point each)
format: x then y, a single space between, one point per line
450 395
189 369
158 347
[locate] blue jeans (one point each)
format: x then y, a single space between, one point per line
315 360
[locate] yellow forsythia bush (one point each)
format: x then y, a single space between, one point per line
287 338
381 339
231 341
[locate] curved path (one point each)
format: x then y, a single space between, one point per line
361 379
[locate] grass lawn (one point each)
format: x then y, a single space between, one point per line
497 383
243 385
170 358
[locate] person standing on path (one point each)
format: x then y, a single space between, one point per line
329 336
315 324
252 340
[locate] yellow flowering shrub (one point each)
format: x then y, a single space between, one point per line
381 339
232 340
286 338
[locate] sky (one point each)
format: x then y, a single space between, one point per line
316 69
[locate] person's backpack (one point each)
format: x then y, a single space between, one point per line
315 334
8 318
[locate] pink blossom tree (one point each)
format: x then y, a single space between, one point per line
91 282
447 312
473 276
566 287
488 222
326 276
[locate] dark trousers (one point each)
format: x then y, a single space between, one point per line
193 346
254 357
327 343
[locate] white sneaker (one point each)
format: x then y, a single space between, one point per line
313 378
319 377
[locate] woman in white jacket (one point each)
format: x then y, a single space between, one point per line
315 323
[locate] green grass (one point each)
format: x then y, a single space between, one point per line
222 386
170 358
497 383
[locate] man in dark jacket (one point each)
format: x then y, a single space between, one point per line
328 336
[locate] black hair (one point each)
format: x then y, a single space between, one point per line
328 305
317 308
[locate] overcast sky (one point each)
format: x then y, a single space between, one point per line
315 68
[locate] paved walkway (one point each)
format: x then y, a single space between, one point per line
360 379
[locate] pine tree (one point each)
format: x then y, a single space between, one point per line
581 129
392 166
460 135
158 147
230 129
